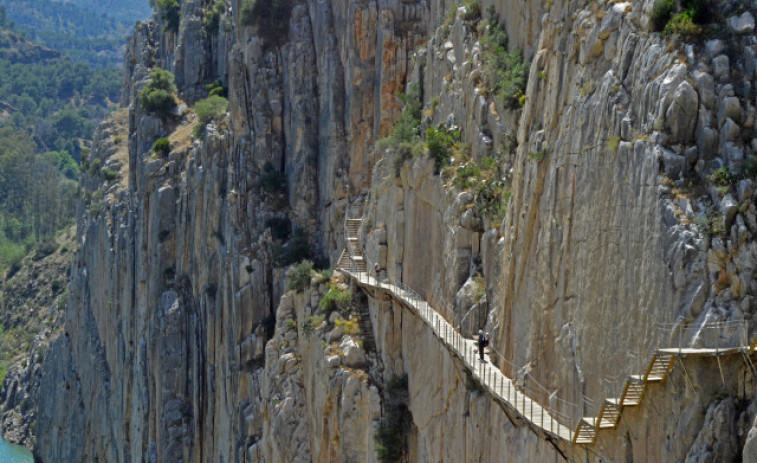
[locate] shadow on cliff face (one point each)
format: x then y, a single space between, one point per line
271 17
396 423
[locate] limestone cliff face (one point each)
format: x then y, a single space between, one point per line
319 390
181 343
163 349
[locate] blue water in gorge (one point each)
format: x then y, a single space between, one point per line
10 453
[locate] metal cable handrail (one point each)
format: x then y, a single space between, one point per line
549 419
515 392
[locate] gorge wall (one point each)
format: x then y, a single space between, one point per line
183 344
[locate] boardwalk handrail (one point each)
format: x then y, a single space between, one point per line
576 426
718 335
569 419
499 386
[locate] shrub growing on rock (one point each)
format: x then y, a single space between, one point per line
750 166
472 10
281 227
212 108
439 143
94 167
170 13
213 17
684 26
404 139
162 147
110 174
687 22
505 72
296 250
44 249
662 11
335 299
217 88
299 276
158 96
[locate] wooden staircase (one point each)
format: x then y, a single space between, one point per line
344 261
352 227
633 392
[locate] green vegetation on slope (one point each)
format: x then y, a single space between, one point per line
29 294
56 101
36 196
80 29
123 11
49 108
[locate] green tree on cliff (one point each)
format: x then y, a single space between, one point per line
158 96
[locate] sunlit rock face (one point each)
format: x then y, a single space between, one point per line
183 344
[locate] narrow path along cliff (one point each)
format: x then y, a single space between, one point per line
562 430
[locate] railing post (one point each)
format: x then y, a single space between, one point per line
532 409
744 340
551 424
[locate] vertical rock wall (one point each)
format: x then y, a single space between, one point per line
164 356
174 282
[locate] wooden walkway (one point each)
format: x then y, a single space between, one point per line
502 389
496 384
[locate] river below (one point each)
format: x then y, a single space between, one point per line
10 453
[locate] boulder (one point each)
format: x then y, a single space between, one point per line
742 24
681 116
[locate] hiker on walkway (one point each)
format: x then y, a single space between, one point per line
481 344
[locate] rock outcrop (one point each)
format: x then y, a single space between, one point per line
319 396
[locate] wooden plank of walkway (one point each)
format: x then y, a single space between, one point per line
495 383
707 352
